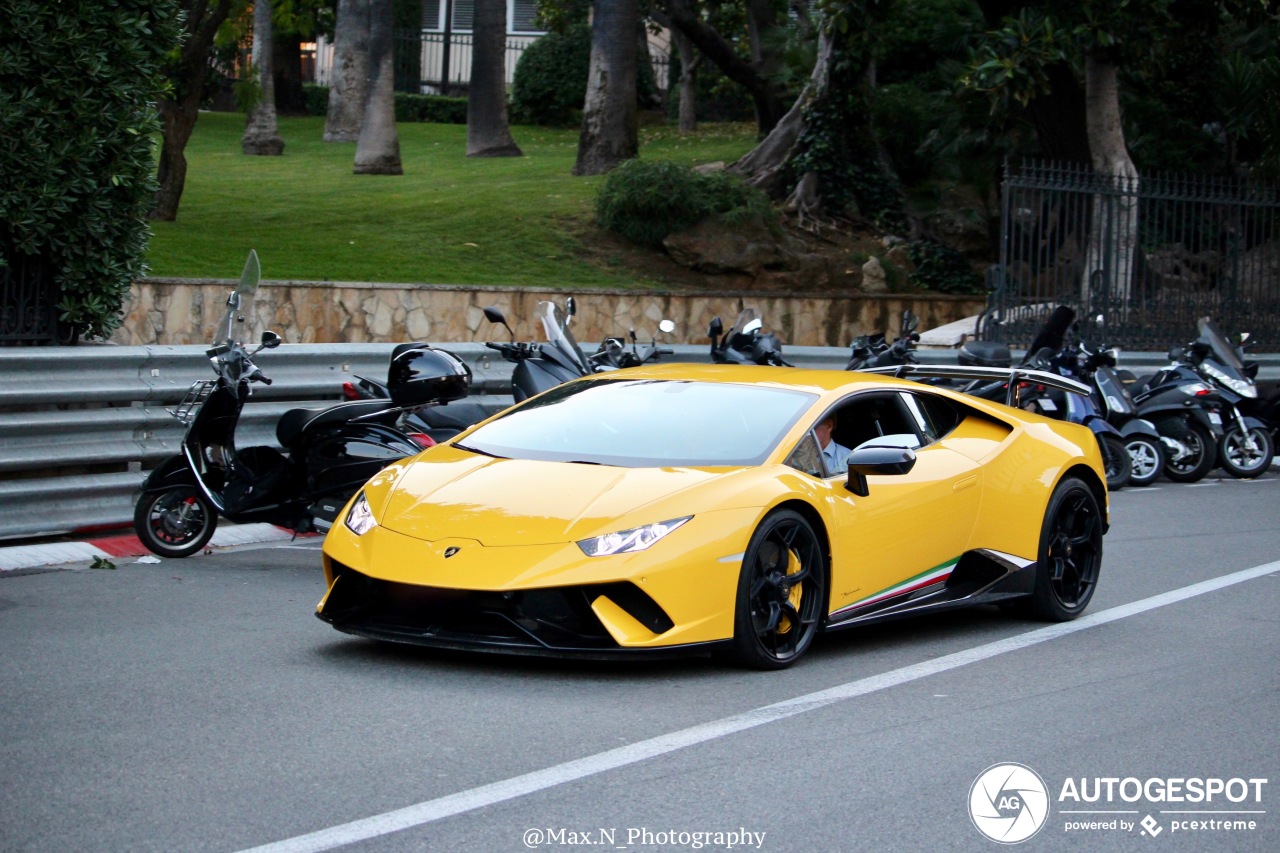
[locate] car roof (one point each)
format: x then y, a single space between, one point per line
819 382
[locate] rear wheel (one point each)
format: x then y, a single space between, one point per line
1246 454
1146 459
176 523
780 592
1115 461
1196 457
1070 555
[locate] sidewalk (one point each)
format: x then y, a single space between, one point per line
122 545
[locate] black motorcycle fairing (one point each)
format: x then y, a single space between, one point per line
171 473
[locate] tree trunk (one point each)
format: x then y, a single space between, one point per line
1113 234
286 61
378 147
610 132
488 134
178 114
261 133
348 80
689 61
768 104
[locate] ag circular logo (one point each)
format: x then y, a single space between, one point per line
1009 803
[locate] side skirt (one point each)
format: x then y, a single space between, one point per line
982 576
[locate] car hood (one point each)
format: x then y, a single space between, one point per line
498 502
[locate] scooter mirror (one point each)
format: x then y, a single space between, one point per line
270 340
571 306
716 329
667 327
1175 353
493 315
251 275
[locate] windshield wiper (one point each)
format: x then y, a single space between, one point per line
477 450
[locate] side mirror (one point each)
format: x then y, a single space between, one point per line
878 457
571 306
494 315
667 327
270 340
1175 353
716 329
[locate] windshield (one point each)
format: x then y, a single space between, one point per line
645 423
1224 351
240 302
556 328
745 318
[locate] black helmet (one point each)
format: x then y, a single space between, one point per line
420 374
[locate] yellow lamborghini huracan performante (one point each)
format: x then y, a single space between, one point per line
691 508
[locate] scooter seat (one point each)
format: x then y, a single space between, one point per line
295 422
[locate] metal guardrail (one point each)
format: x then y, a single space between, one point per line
79 426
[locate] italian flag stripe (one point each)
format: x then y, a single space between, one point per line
926 578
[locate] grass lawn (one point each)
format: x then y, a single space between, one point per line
447 220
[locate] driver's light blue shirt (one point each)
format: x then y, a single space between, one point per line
835 456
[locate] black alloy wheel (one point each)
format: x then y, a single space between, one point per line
780 592
1246 454
176 523
1070 556
1146 459
1195 462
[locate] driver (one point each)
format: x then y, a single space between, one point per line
834 454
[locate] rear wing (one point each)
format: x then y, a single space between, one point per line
1015 377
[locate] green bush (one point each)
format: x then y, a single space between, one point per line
645 200
440 109
550 82
942 269
78 80
317 99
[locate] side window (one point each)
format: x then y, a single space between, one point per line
937 417
806 457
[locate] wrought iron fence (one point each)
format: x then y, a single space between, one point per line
1139 259
27 311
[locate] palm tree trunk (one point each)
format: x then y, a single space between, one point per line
610 129
261 132
1113 237
378 147
349 78
488 134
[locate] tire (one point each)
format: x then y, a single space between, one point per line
1202 449
1115 461
1238 459
1070 555
1146 459
176 523
781 592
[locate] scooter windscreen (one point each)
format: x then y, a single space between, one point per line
1223 351
556 328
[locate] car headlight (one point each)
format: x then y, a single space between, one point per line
626 541
359 518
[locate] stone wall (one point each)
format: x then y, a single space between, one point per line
185 311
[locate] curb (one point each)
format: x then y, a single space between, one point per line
15 557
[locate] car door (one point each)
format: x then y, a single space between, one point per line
910 529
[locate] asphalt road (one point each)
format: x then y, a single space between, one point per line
199 705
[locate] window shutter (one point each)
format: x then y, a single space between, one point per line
522 16
431 15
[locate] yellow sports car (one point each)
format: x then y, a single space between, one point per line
691 508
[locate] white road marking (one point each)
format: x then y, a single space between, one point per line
571 771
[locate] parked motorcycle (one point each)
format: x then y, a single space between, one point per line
1246 447
329 452
1187 413
744 343
868 351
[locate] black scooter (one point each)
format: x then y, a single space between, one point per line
330 452
868 351
1187 412
745 343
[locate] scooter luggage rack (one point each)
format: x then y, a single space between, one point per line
196 394
1012 375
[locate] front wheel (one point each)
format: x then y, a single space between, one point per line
1070 555
1115 461
176 523
1146 459
780 592
1245 454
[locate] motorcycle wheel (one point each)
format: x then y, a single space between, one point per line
176 523
1115 461
1146 459
1203 452
1236 457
